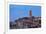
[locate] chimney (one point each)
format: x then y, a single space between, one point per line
30 13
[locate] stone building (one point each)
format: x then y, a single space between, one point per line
28 22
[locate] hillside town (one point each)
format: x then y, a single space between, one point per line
27 22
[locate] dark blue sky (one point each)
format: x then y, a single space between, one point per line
18 11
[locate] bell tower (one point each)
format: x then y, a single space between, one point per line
30 13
